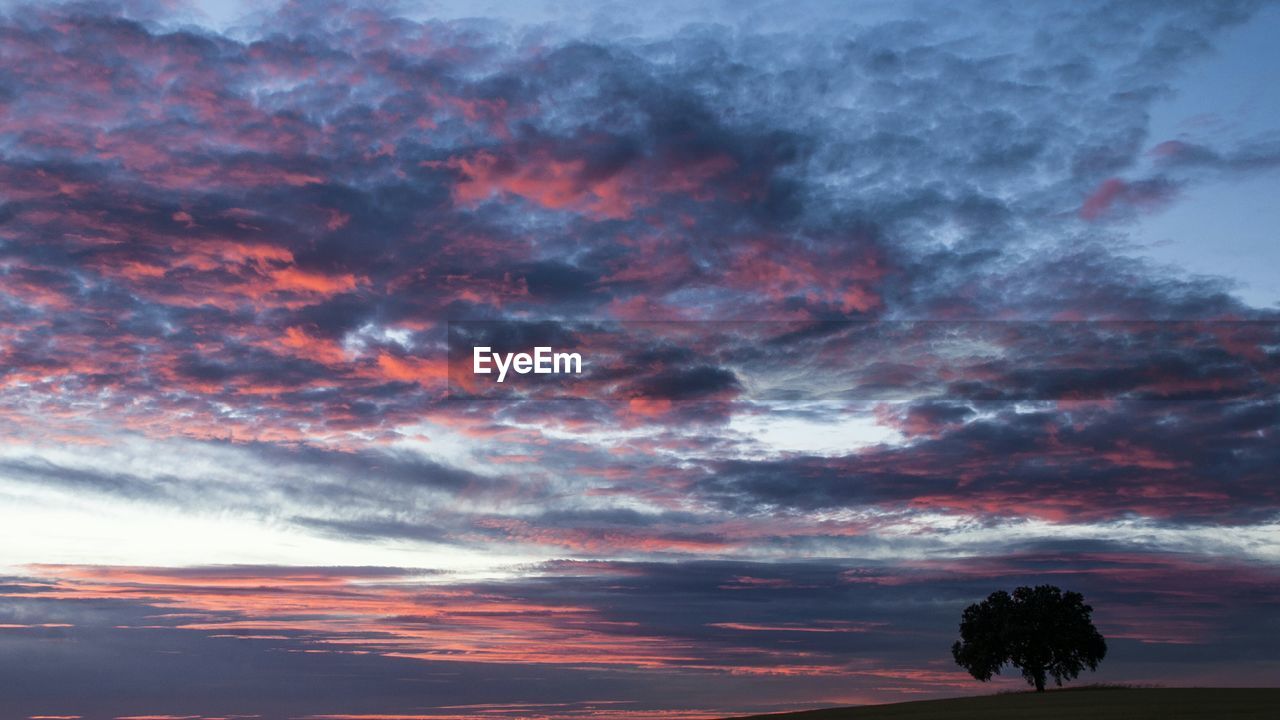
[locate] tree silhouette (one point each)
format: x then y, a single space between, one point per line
1042 631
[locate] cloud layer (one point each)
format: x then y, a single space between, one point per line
862 345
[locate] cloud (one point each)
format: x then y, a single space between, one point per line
237 270
855 623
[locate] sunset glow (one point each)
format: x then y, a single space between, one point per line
851 315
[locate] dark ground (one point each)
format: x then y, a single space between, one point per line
1081 704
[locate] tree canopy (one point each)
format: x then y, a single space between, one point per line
1042 631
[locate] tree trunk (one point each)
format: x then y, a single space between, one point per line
1039 682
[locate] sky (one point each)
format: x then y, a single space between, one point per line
883 307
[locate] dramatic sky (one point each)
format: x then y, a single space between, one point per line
883 306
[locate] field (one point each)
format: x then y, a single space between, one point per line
1086 703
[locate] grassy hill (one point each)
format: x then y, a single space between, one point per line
1082 703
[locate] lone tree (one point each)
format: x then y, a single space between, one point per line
1042 631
